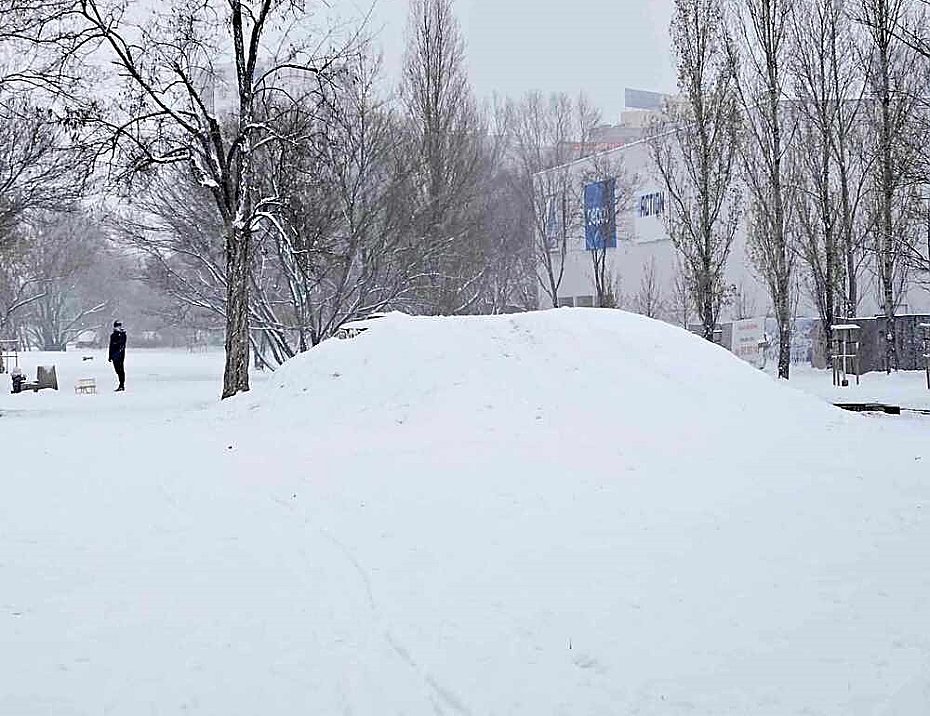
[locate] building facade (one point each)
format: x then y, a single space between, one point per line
640 256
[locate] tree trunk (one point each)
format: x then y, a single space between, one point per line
830 257
852 283
553 284
886 258
238 249
709 302
887 261
783 317
784 350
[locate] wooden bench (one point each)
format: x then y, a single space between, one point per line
86 386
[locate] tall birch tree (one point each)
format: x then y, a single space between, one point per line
695 152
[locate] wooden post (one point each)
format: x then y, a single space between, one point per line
845 339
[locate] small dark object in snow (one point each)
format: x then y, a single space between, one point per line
18 378
870 408
46 377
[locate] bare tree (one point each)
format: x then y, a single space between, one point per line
172 64
851 157
549 133
18 287
681 301
612 187
507 223
174 223
903 29
648 299
892 93
62 250
447 135
41 167
768 122
343 248
607 290
918 251
831 174
338 245
47 279
695 152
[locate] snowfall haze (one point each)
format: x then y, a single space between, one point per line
514 46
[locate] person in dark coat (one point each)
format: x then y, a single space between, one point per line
118 353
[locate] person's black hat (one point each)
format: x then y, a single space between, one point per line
117 324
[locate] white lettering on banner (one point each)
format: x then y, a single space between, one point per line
598 216
652 204
748 335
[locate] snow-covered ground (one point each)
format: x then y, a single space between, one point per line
906 388
565 512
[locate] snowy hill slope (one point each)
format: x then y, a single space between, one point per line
564 358
580 378
573 511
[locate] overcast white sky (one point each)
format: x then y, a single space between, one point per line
600 46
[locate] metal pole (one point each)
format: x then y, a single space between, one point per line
845 354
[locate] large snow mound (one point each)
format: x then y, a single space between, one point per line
567 512
584 370
585 511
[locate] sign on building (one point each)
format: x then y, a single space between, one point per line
651 204
748 336
647 218
600 215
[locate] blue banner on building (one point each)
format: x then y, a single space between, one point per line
600 216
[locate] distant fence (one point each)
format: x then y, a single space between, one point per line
808 344
908 342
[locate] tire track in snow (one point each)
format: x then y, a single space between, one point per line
446 696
